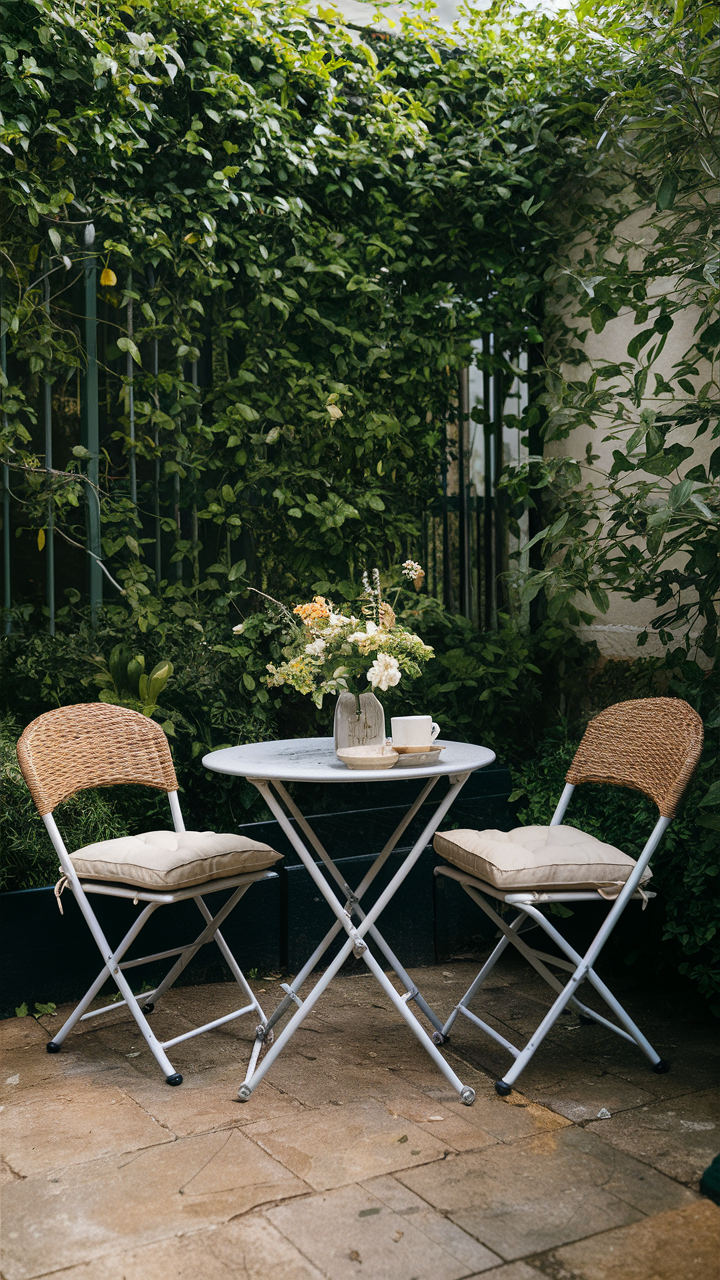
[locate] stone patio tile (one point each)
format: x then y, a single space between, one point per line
190 1057
209 1100
440 1229
597 1089
439 1121
512 1271
72 1122
327 1077
680 1136
680 1244
505 1119
33 1068
692 1069
538 1193
248 1248
349 1232
335 1145
122 1203
18 1033
7 1174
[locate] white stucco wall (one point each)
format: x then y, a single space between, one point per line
616 632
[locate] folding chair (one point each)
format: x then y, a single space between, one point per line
98 745
651 745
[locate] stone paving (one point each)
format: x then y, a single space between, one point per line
354 1159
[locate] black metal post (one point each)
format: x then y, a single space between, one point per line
50 538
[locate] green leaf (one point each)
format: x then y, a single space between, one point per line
667 190
21 1011
127 344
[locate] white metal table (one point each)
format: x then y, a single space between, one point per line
268 765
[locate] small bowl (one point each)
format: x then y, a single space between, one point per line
374 756
416 751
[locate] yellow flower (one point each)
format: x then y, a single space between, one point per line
108 277
314 611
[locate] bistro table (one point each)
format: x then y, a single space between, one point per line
268 765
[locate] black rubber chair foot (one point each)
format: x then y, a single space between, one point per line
662 1067
52 1047
502 1088
148 1008
586 1022
176 1079
438 1038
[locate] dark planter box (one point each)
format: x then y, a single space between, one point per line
46 956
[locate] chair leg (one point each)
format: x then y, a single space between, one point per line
112 968
566 995
105 973
478 982
193 947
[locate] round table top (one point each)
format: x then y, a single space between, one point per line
314 760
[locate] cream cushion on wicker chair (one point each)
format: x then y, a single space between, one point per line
172 859
552 858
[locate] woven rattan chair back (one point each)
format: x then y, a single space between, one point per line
649 744
92 744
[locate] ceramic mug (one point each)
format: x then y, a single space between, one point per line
414 731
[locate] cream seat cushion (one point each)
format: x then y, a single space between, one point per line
551 858
172 859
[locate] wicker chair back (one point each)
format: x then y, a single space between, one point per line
92 744
649 744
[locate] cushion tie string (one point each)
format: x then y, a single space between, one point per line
612 891
61 884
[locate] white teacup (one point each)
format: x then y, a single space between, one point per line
413 732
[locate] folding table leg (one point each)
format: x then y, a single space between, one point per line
355 940
355 897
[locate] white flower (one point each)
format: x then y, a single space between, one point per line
384 672
365 639
316 649
238 630
411 569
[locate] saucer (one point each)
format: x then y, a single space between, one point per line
416 751
415 759
374 756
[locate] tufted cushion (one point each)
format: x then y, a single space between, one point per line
553 858
172 859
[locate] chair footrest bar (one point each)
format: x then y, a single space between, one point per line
495 1035
160 955
555 960
209 1026
117 1004
604 1022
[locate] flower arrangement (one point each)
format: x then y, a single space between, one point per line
341 651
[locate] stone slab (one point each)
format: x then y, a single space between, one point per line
248 1248
331 1145
680 1136
208 1100
535 1194
679 1244
118 1204
72 1122
350 1232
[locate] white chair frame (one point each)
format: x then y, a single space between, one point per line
114 966
579 967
